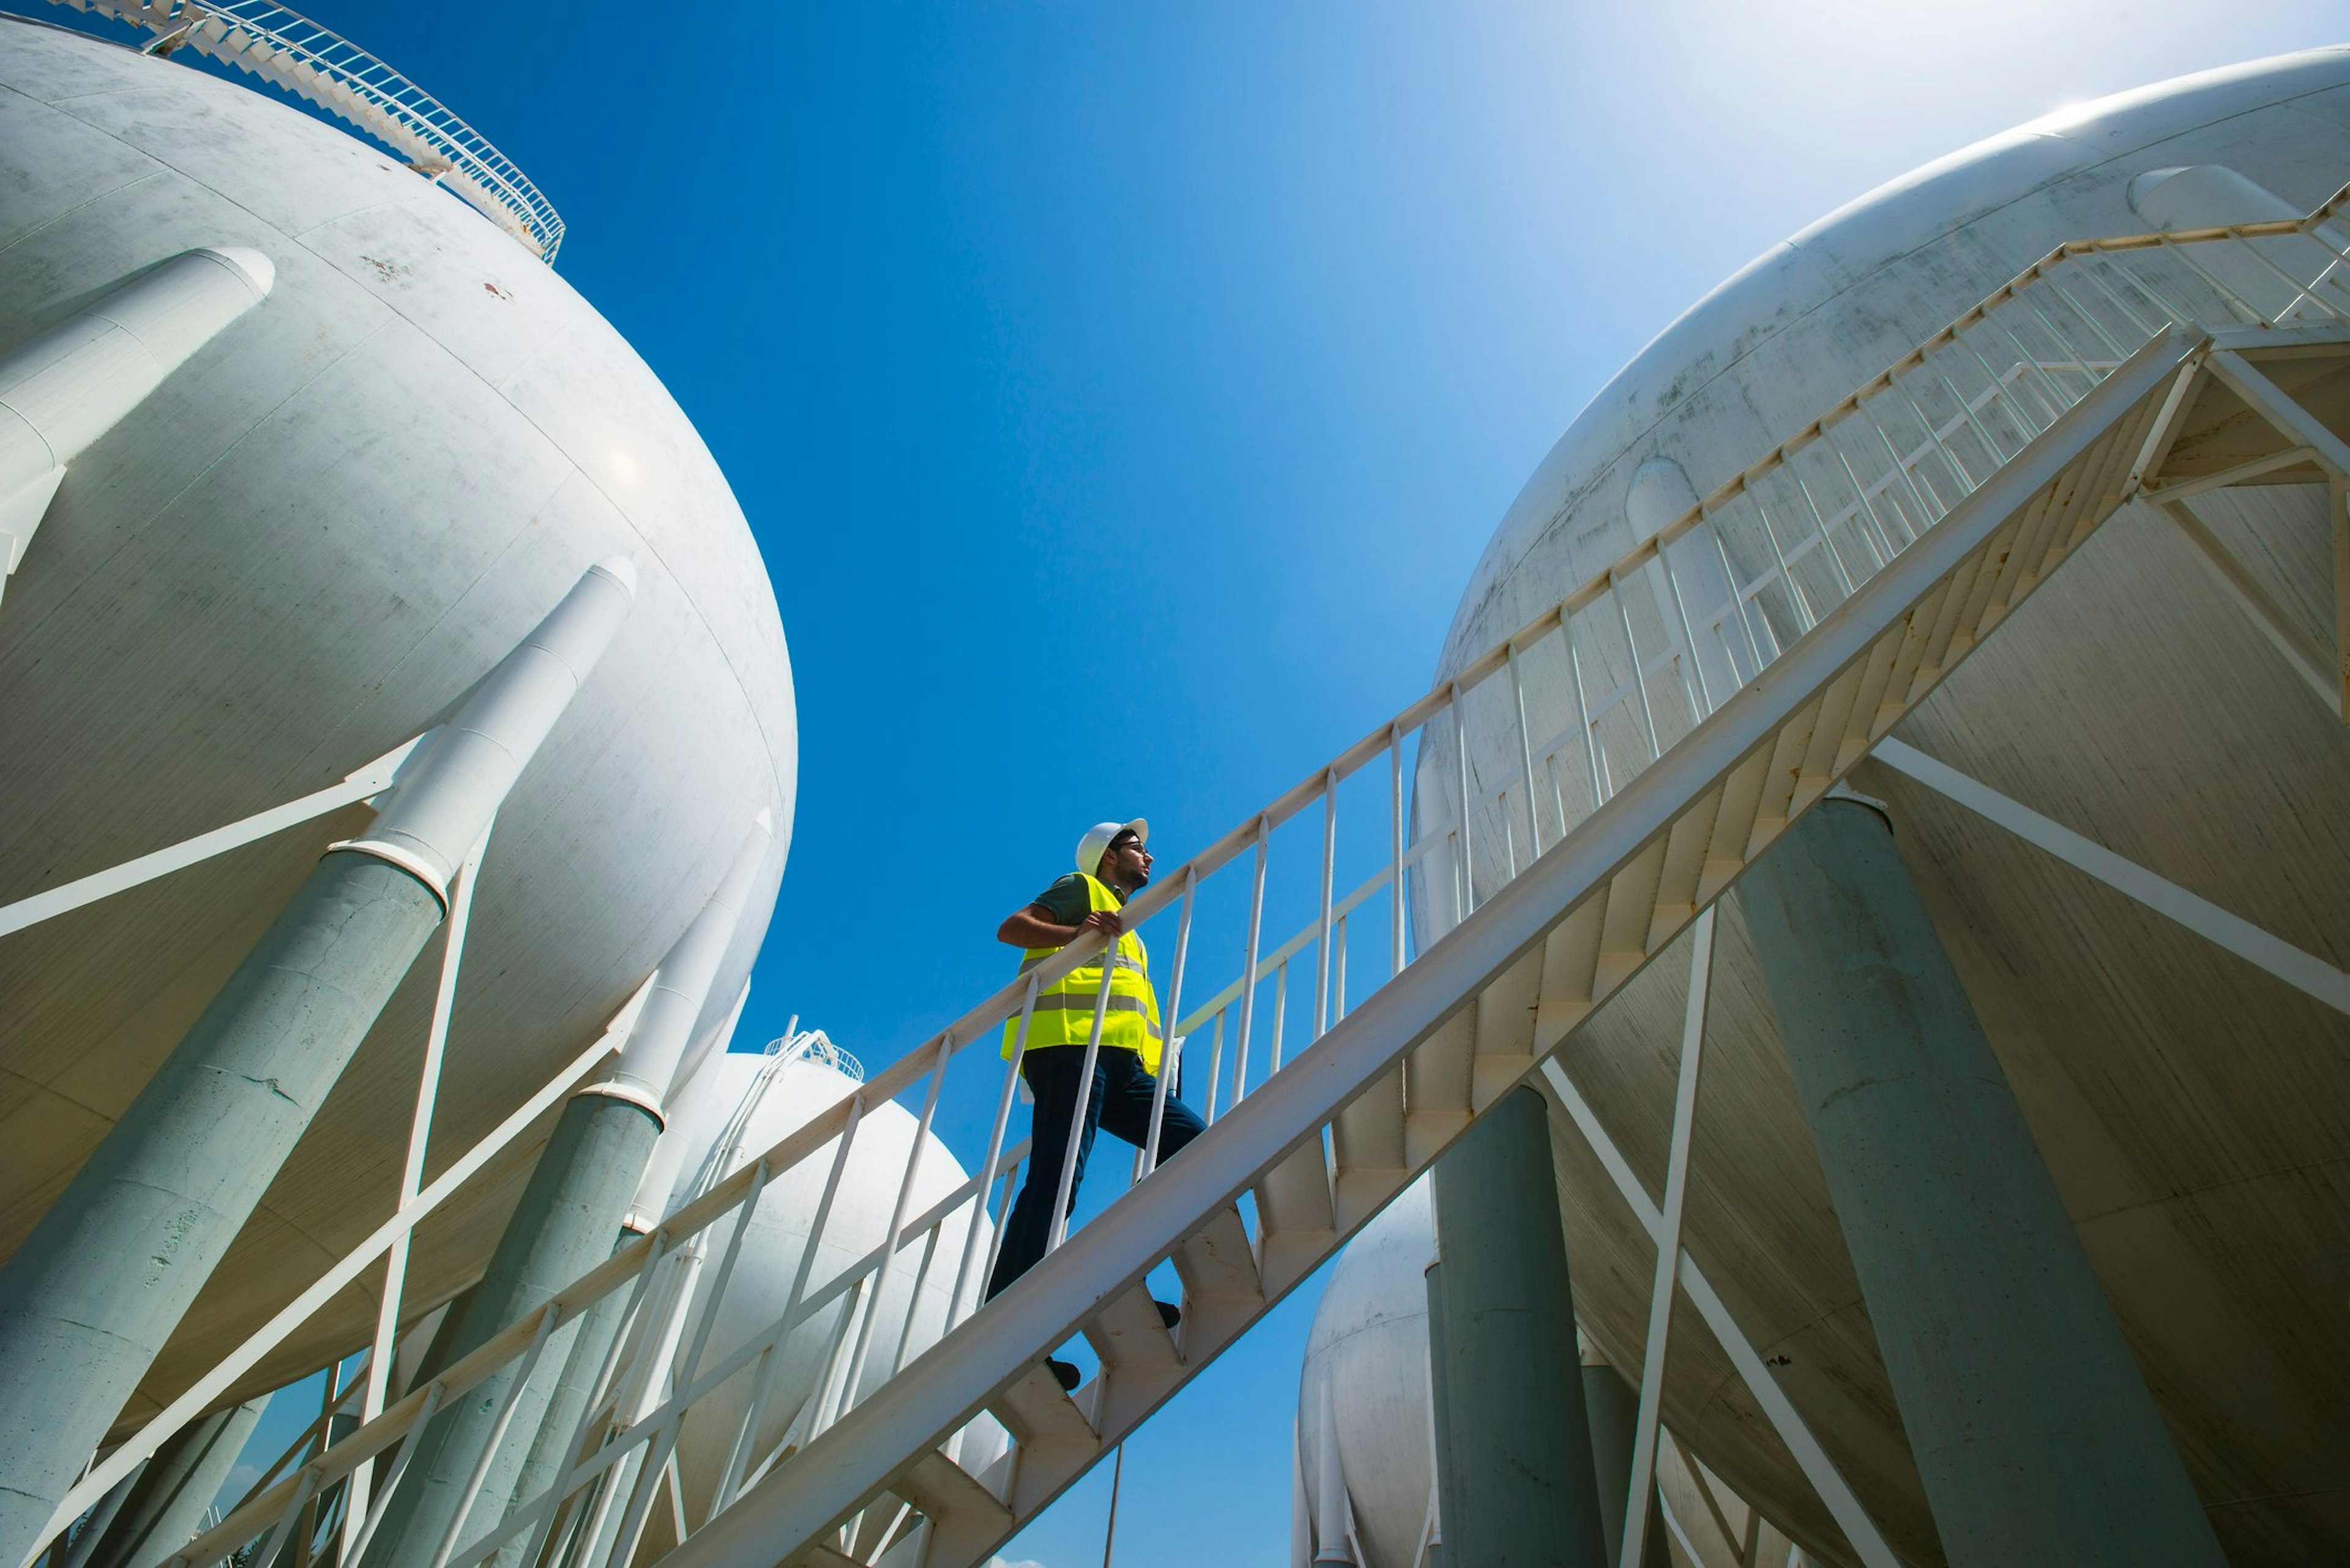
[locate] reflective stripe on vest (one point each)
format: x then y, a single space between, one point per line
1064 1012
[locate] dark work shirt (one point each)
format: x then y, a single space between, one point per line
1066 901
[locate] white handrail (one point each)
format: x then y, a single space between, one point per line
321 67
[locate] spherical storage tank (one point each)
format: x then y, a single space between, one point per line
2190 1106
739 1106
294 555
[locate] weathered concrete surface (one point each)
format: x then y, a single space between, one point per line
2030 1422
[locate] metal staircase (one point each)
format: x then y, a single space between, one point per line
1718 681
289 51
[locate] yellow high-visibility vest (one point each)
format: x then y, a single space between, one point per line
1064 1013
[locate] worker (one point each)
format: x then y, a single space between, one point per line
1113 864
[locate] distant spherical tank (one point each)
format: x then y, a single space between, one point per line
292 556
1366 1356
743 1105
2190 1106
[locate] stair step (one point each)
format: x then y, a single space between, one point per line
1505 1013
1039 1416
1437 1071
1129 1333
966 1520
1216 1262
1298 1222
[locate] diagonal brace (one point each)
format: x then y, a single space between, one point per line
2305 972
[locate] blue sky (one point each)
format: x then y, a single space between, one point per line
1157 373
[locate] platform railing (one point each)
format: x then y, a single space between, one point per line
319 64
1630 661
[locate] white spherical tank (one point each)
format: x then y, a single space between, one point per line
747 1104
1366 1380
296 554
2190 1106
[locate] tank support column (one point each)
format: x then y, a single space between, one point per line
1515 1484
98 1287
571 1210
1614 1409
167 1504
2029 1421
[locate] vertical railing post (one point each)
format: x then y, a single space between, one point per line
1321 923
1170 1049
994 1150
1216 1067
892 1239
1591 760
1248 966
1526 758
1465 863
1639 674
1669 1245
1065 1190
1395 850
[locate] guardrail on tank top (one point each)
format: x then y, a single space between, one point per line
287 49
1579 700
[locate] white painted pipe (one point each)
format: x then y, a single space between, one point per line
73 383
656 1048
452 784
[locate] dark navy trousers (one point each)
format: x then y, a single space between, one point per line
1118 1102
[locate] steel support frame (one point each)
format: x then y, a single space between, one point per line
1835 1492
361 784
1647 1421
209 1387
2331 453
378 1369
2305 971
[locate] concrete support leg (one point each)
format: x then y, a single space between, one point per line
1613 1407
567 1402
2030 1426
92 1295
1517 1488
167 1503
562 1228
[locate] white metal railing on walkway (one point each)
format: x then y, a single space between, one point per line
288 50
1716 681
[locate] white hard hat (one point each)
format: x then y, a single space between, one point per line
1098 838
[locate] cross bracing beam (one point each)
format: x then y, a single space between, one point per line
2305 971
1826 1480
